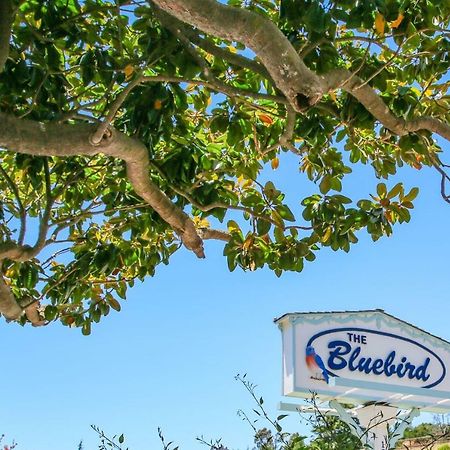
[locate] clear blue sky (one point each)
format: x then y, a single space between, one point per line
169 358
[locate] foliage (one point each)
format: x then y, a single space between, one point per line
108 443
142 73
421 430
327 432
427 435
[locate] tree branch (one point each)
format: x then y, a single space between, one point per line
44 222
63 140
217 86
6 18
431 124
232 58
17 252
172 25
101 130
211 48
32 313
366 95
296 81
285 139
20 207
210 233
8 304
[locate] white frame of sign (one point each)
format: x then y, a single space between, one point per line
397 363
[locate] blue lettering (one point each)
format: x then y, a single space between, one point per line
336 361
377 365
389 369
342 355
410 368
353 358
364 365
421 372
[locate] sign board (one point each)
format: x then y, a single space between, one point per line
362 356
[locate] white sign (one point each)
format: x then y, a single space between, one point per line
364 356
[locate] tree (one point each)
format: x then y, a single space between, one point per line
131 128
427 435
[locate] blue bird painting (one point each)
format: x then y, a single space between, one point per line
315 363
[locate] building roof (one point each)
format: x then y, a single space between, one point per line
380 311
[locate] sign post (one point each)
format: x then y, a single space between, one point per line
370 359
374 424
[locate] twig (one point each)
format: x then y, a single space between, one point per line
99 134
22 212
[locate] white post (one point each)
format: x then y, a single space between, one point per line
374 422
401 425
375 419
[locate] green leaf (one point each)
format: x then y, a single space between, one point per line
86 328
263 226
113 303
381 190
366 205
412 194
50 312
325 184
285 213
396 190
276 217
342 199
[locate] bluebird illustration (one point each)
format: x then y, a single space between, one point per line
315 363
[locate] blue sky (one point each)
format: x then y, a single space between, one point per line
169 358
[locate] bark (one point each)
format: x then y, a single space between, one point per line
8 305
296 81
6 17
63 140
218 235
211 48
354 85
32 313
431 124
293 78
20 253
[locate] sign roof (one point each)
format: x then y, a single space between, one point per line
361 311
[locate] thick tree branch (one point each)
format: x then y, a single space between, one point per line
216 84
431 124
232 58
296 81
367 96
210 47
63 140
211 233
6 18
32 313
8 304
